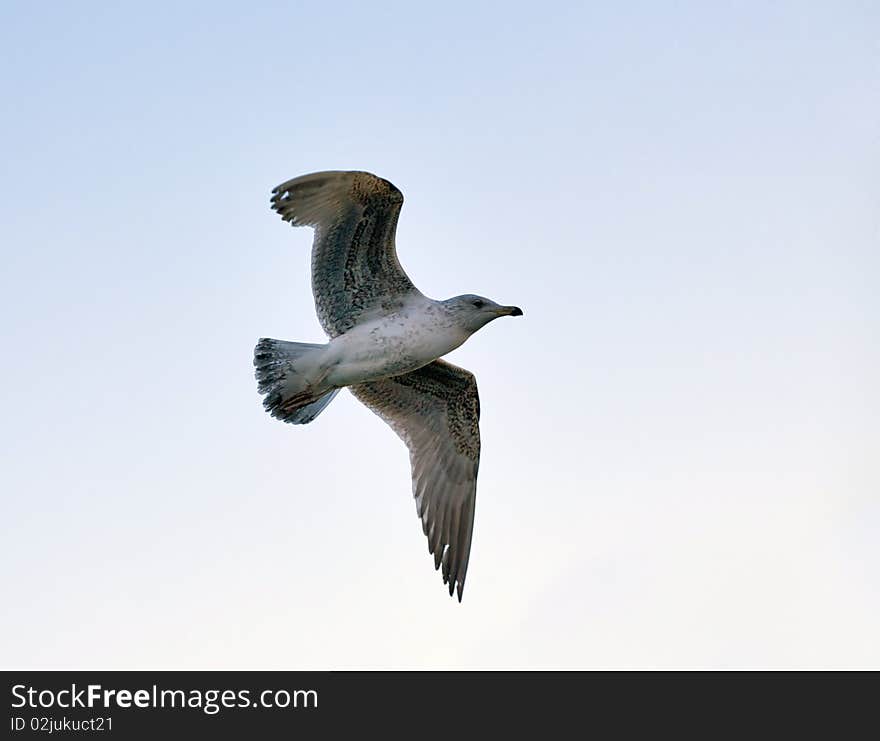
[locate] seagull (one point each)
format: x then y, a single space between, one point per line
386 339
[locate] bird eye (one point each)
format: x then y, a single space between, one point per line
479 304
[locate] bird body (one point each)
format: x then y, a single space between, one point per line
385 341
413 335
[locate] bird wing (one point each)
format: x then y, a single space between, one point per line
354 260
435 410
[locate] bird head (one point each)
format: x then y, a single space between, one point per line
473 312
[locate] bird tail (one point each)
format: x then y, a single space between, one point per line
286 375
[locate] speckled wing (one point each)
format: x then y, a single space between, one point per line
354 261
436 411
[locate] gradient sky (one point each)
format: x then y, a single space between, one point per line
680 437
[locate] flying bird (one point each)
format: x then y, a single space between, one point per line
385 341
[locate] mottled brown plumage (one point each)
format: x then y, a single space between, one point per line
435 410
354 260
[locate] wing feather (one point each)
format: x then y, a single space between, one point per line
435 410
354 259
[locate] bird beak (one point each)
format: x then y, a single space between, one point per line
510 311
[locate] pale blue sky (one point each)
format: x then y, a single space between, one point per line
680 435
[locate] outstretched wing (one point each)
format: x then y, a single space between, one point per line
354 261
436 411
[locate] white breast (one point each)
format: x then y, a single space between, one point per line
396 343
